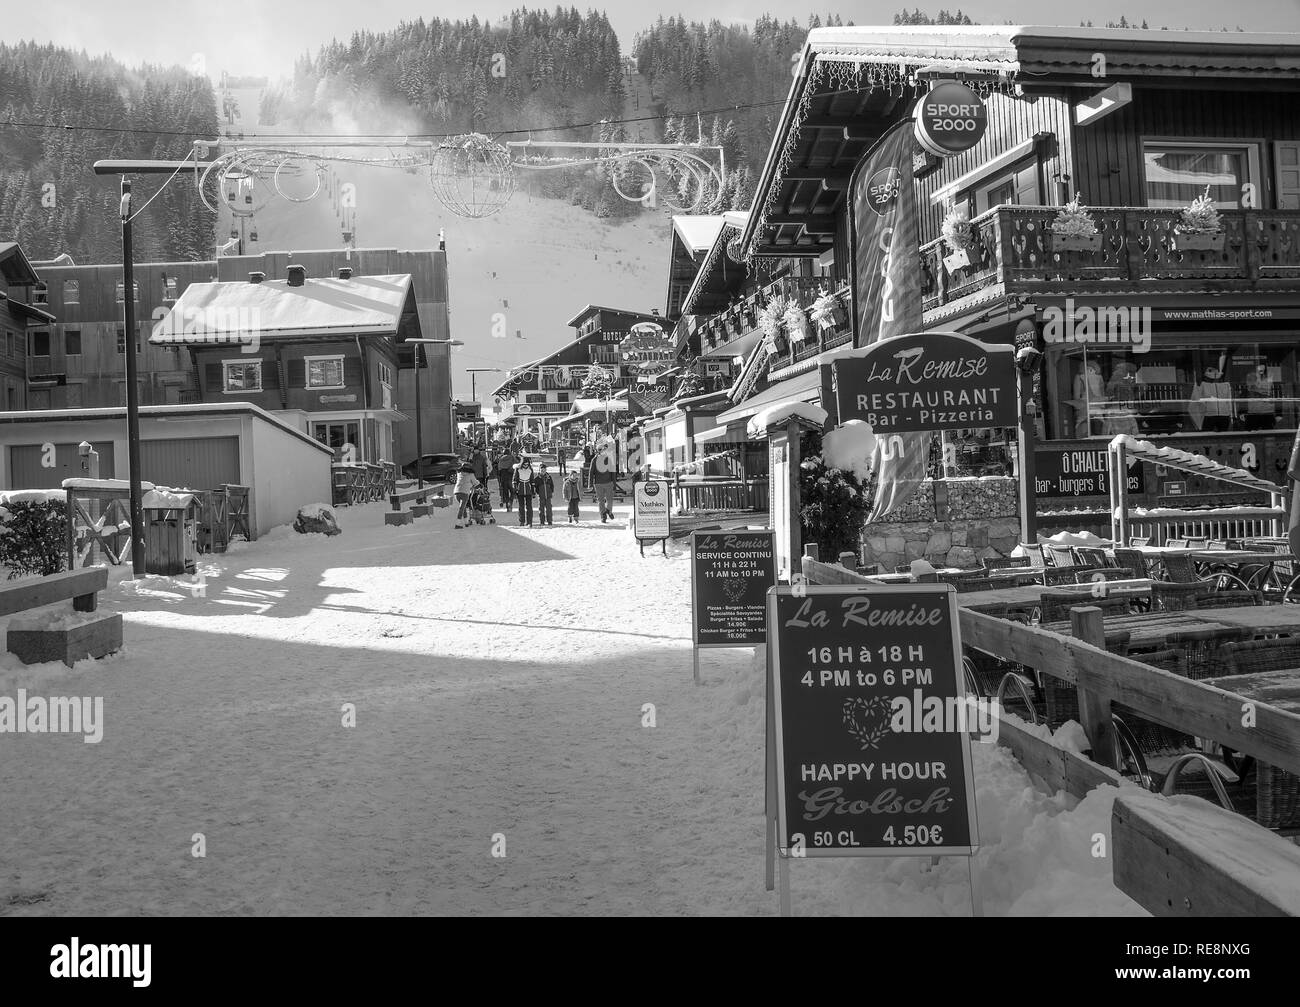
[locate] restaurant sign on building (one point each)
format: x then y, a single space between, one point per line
1078 472
928 381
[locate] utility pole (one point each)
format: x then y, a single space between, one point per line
132 388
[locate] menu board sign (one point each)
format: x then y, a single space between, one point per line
650 510
730 574
871 722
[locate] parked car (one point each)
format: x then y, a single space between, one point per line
434 468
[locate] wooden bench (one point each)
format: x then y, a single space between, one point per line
421 506
90 636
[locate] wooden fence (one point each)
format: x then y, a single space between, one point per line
1105 680
362 483
718 493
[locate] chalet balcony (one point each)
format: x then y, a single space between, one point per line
738 324
1137 251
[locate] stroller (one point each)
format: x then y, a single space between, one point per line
480 506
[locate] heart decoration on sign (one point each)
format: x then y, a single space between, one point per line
867 720
733 589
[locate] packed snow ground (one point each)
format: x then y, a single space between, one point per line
499 676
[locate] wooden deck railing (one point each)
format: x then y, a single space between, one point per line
1013 246
1228 523
710 493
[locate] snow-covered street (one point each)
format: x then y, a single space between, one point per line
499 677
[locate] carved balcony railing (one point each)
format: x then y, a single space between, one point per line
741 318
1138 247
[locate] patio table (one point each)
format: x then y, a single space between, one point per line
1276 688
1029 595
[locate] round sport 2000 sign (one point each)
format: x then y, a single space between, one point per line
950 119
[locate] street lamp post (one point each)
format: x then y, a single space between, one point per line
419 425
124 168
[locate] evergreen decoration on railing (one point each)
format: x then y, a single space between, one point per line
823 309
1074 221
771 319
1201 216
796 322
956 229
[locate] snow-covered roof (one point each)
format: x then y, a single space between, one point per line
782 411
697 232
209 313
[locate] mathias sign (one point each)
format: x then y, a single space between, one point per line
928 381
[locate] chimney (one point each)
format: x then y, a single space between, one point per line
256 277
345 272
297 275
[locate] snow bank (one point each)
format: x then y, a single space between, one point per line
103 484
165 499
31 496
1085 538
850 447
773 415
54 619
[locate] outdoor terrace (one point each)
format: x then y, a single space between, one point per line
1137 252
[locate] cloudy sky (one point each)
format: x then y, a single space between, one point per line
264 36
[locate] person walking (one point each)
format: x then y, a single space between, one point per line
465 483
545 487
603 474
588 453
505 473
480 465
572 491
523 489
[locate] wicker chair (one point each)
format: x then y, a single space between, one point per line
1203 648
1058 555
1092 556
1062 698
1094 574
1228 599
1033 553
1133 560
965 585
1198 542
1055 576
1167 597
1005 562
1179 569
1055 605
1277 792
1176 543
1139 540
1153 738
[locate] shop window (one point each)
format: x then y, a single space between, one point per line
1098 392
1176 173
241 375
343 438
71 292
120 288
121 340
40 344
324 372
72 342
1017 186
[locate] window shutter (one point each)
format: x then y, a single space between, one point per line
297 373
352 373
270 376
1286 163
212 377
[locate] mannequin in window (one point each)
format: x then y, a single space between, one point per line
1089 387
1211 405
1123 389
1257 411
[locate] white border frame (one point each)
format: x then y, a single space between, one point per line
774 666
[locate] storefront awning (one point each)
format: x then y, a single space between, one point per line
801 388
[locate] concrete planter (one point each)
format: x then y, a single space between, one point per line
93 638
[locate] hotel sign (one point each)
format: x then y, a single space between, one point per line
928 381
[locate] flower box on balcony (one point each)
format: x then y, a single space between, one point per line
954 261
1197 241
1075 242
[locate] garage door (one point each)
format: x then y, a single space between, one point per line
28 471
197 463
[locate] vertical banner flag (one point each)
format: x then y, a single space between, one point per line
885 243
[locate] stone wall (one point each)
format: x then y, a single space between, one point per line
951 522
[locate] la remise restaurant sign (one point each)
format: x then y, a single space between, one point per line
928 381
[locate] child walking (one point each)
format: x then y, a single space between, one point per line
573 493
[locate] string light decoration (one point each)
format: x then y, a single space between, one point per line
471 175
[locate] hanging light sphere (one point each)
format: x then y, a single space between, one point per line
471 175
